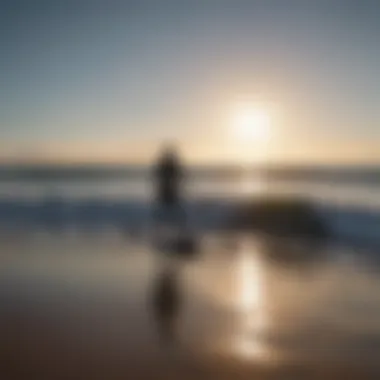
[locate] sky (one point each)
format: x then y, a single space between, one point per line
110 81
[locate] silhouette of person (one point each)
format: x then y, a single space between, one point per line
166 305
168 177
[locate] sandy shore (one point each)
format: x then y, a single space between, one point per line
80 307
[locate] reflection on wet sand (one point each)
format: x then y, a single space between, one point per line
248 342
166 304
89 311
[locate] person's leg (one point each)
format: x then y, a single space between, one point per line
166 222
156 217
169 214
179 216
155 214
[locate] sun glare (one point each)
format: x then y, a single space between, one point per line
251 131
251 123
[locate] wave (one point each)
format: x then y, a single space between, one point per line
346 223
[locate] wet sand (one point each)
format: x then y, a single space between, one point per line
79 306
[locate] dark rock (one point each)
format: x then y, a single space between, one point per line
280 217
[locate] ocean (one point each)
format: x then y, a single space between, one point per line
347 198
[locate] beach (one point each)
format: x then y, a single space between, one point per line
78 304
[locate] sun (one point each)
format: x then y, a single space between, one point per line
251 123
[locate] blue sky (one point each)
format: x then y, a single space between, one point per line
96 77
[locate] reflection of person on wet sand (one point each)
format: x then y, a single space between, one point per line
166 305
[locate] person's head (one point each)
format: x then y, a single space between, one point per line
169 152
